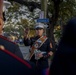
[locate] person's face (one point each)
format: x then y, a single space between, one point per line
39 31
1 25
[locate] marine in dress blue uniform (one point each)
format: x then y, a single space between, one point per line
42 63
12 62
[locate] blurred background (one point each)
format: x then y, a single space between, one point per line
20 14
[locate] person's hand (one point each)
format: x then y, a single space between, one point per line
40 55
50 53
26 32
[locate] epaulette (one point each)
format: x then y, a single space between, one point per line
5 38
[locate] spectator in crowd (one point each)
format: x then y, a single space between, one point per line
64 60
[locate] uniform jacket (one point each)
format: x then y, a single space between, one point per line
42 62
10 64
10 46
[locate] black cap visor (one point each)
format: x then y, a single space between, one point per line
38 28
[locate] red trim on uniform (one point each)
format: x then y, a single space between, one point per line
5 38
16 57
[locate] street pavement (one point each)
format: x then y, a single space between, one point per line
25 51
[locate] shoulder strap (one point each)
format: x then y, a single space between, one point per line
43 39
37 44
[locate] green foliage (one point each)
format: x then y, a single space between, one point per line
18 18
67 9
